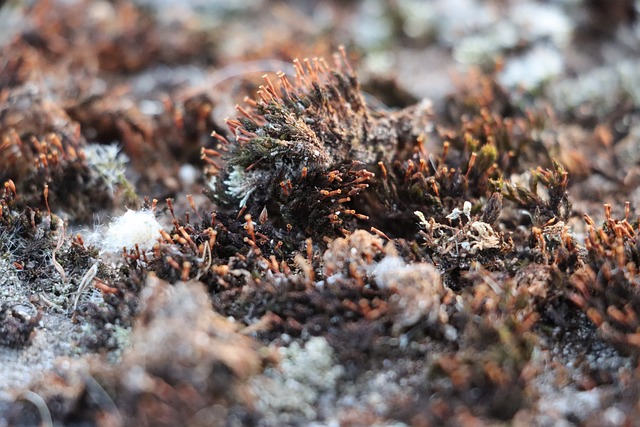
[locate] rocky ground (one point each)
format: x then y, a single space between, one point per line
319 213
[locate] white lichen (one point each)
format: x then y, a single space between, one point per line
107 163
471 238
466 211
536 21
483 48
531 70
481 236
599 89
305 376
418 293
240 184
423 221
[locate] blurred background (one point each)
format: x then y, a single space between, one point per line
415 44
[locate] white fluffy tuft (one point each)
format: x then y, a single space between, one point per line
134 227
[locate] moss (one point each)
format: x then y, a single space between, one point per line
605 288
308 148
434 248
17 323
554 206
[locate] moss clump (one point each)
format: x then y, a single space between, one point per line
305 151
42 150
606 287
17 322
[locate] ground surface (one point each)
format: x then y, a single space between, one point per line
435 225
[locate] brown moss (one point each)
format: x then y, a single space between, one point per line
606 286
304 151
